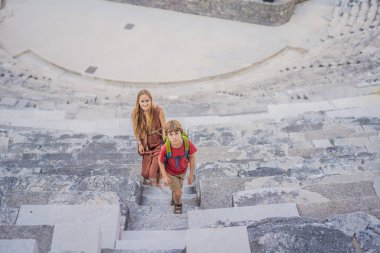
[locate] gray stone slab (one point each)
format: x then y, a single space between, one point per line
355 141
219 169
42 234
266 196
324 143
351 222
304 172
140 251
123 186
22 103
344 190
107 216
300 234
337 132
376 186
167 244
17 199
4 142
354 176
210 217
223 240
84 237
340 206
186 189
306 153
8 101
156 221
157 234
274 181
8 215
18 246
217 192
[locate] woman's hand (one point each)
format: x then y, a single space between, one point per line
141 149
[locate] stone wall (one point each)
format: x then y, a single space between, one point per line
251 11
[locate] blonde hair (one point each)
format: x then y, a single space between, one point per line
173 126
142 126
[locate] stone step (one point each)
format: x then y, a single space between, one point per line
224 240
162 244
163 206
122 170
42 234
29 169
340 206
8 215
344 190
341 178
153 234
124 186
151 199
186 189
27 161
78 237
274 195
37 147
161 221
211 217
153 240
217 192
72 221
272 181
18 246
19 198
272 235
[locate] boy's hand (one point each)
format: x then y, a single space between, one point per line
166 180
190 178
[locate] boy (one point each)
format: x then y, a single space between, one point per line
173 167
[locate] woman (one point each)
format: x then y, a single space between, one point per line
148 121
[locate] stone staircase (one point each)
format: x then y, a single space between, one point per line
254 180
289 165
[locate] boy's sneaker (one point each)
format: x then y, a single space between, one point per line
177 209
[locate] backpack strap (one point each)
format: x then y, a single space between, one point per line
187 146
168 148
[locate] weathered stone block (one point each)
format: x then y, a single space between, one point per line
18 246
296 235
212 217
41 233
107 216
228 239
217 192
276 196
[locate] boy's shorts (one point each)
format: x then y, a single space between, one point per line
176 181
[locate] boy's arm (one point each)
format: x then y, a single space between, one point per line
164 174
192 169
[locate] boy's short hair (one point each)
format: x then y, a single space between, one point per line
173 126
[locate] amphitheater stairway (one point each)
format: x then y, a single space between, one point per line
301 171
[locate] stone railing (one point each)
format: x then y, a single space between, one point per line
252 11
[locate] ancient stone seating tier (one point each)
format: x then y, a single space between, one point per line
313 166
287 163
353 17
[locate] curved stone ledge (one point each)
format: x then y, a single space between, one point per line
259 12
